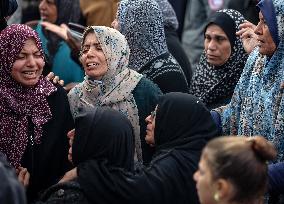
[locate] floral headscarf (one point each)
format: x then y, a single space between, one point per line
116 86
20 105
211 83
141 21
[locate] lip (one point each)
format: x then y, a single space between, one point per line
209 56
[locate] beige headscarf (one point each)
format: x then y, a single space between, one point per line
116 86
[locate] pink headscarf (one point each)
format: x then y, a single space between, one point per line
19 104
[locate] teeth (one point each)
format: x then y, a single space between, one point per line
92 64
28 72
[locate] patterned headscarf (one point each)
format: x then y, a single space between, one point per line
211 83
141 21
19 105
257 106
169 14
116 86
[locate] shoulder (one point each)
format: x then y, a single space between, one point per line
146 87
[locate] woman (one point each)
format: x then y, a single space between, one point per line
222 61
109 82
141 22
234 170
35 115
96 138
179 128
256 107
58 12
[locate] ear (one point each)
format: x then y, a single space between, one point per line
224 189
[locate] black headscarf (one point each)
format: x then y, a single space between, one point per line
180 120
103 134
184 126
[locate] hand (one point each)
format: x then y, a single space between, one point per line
54 79
69 175
61 30
247 35
23 176
70 135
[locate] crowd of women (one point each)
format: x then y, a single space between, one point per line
134 125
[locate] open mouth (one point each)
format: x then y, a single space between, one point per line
94 64
30 74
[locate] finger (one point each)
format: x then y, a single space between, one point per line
55 79
27 179
50 76
71 134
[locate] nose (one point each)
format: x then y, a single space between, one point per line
212 45
42 5
258 29
195 176
31 61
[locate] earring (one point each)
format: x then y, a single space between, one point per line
216 197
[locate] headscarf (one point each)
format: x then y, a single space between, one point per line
103 134
181 119
169 14
7 8
257 105
267 9
19 104
116 86
67 11
213 83
141 21
183 127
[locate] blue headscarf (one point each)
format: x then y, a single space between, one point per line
257 105
268 11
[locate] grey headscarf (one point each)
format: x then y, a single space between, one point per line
169 14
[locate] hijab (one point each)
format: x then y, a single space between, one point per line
103 134
116 86
182 119
169 14
268 11
214 83
19 104
103 140
257 104
183 127
141 21
7 8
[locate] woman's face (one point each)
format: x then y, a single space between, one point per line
151 121
28 66
264 38
48 10
217 45
93 58
204 184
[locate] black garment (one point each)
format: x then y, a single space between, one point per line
146 95
183 127
7 8
11 191
47 162
165 71
178 52
179 7
104 134
246 7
